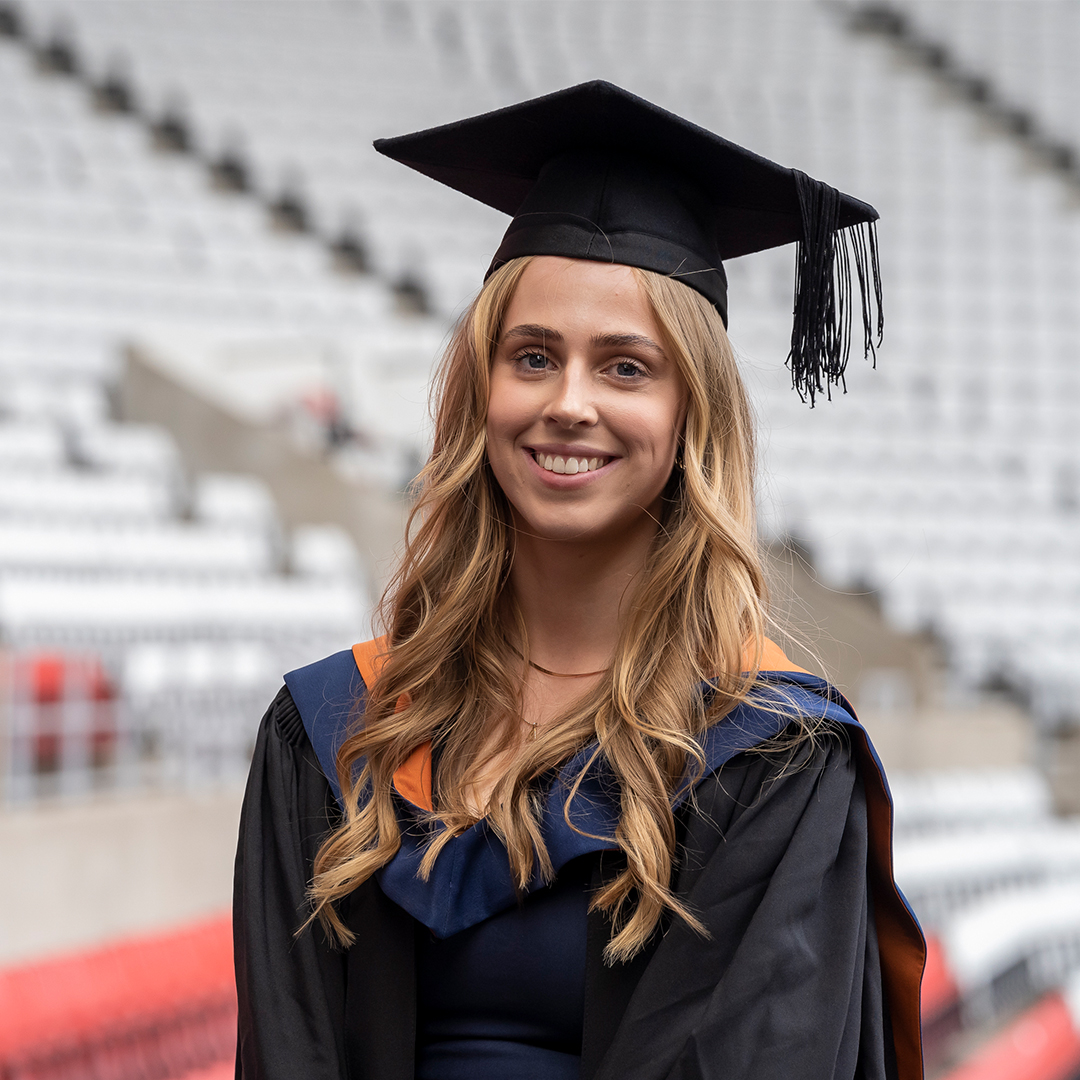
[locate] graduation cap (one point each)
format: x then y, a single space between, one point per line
595 172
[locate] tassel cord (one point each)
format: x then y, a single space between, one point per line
821 326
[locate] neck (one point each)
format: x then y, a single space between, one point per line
572 596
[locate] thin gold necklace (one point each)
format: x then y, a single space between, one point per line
558 674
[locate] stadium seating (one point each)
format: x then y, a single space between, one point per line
1026 52
1010 946
947 481
937 802
146 1008
106 547
961 439
1041 1044
948 871
995 882
165 547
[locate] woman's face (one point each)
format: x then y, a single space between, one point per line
585 409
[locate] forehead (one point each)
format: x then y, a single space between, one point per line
581 296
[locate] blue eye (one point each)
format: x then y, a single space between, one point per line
626 369
533 361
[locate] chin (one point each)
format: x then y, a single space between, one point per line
569 530
552 530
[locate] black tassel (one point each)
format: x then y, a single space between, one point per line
821 330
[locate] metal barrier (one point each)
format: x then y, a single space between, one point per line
61 727
179 715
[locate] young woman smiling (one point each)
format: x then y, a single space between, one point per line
585 414
574 815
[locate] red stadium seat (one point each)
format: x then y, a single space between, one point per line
940 1002
146 1008
222 1070
52 679
1043 1044
939 990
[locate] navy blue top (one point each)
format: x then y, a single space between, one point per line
506 997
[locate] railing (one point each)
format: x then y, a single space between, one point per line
178 715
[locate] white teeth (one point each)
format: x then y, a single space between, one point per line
568 466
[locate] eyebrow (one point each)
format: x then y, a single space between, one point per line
600 341
532 330
623 341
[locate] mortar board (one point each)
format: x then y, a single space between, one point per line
595 172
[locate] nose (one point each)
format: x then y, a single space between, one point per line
571 403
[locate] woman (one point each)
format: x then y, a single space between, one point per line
574 815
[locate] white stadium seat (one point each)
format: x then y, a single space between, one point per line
104 612
325 551
29 445
945 871
73 495
1039 924
236 500
951 798
165 548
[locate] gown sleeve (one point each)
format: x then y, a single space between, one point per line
788 981
290 990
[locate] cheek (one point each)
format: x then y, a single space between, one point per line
506 401
653 431
497 413
507 417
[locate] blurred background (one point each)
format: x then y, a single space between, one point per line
219 313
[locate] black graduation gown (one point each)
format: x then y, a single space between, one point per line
773 861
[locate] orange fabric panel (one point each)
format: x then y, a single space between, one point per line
901 943
370 657
412 779
902 947
772 658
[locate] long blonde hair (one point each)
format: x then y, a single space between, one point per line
451 673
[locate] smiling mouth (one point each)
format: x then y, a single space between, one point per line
569 466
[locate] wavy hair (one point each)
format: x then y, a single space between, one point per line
451 675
